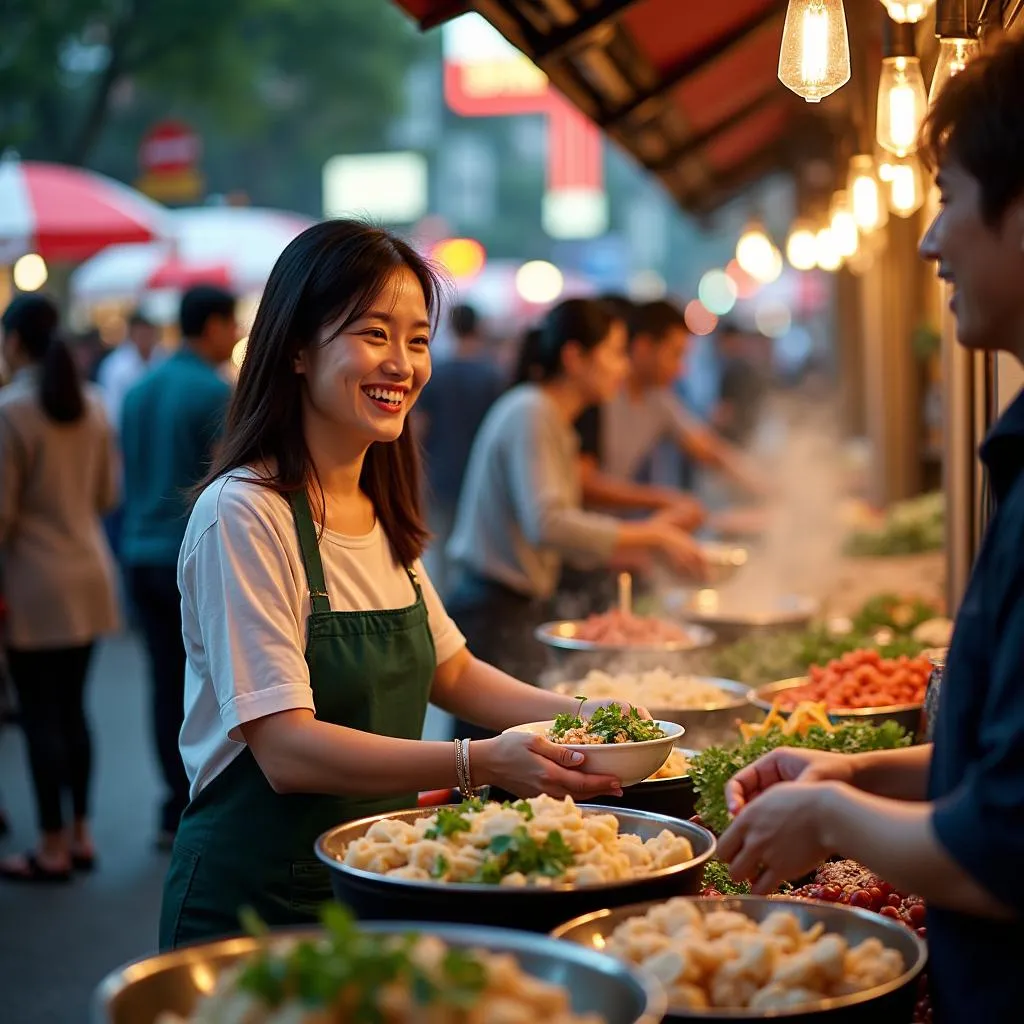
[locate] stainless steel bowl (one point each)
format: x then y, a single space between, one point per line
892 1003
173 982
711 725
719 612
568 651
907 715
378 897
724 561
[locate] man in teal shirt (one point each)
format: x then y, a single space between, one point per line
171 421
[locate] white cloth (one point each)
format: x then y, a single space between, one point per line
119 373
521 512
56 480
244 606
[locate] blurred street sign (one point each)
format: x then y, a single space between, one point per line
390 187
169 158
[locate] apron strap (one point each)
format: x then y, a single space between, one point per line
310 549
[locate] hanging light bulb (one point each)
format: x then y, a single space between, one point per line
954 55
870 211
826 253
908 12
906 187
957 30
843 226
902 104
814 59
801 247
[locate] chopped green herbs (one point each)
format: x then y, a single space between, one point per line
519 852
711 769
352 965
608 723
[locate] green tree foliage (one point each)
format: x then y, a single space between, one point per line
273 86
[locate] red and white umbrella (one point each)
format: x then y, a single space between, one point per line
67 214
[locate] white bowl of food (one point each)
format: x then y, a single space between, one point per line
613 741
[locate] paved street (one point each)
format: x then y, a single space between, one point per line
56 942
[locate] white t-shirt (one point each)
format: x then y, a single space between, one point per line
244 606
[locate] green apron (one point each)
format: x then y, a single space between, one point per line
240 843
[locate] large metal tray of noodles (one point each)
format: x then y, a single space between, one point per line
892 1003
140 992
375 896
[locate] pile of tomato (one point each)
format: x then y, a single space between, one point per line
862 679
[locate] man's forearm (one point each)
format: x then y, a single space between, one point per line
601 490
897 841
899 774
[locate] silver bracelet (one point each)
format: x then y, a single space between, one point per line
466 769
460 770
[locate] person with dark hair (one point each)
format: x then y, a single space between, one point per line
741 387
170 424
945 820
521 514
619 438
128 362
58 476
314 638
448 415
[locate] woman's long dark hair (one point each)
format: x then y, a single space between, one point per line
34 318
584 321
332 270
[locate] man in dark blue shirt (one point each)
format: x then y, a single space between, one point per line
943 821
450 411
172 419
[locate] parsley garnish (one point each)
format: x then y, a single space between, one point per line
712 768
449 821
355 965
519 852
607 722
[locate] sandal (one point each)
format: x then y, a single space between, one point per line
33 871
84 862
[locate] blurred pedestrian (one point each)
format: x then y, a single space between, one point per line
116 375
521 515
57 477
741 389
448 416
171 422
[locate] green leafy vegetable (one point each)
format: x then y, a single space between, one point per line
717 877
521 806
607 723
909 527
441 866
519 852
892 612
711 769
347 969
449 821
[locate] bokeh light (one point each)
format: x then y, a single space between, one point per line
539 282
827 254
801 248
238 352
718 292
746 286
754 253
30 272
773 319
699 319
463 258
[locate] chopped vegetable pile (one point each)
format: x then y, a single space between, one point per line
711 769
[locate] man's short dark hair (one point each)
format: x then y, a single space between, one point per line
978 122
200 303
136 318
623 308
655 320
464 321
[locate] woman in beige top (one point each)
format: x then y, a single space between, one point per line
57 477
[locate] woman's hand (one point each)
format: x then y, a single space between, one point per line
682 551
786 764
778 837
684 512
528 764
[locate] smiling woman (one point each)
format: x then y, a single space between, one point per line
314 638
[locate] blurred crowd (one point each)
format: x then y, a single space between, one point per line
582 454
